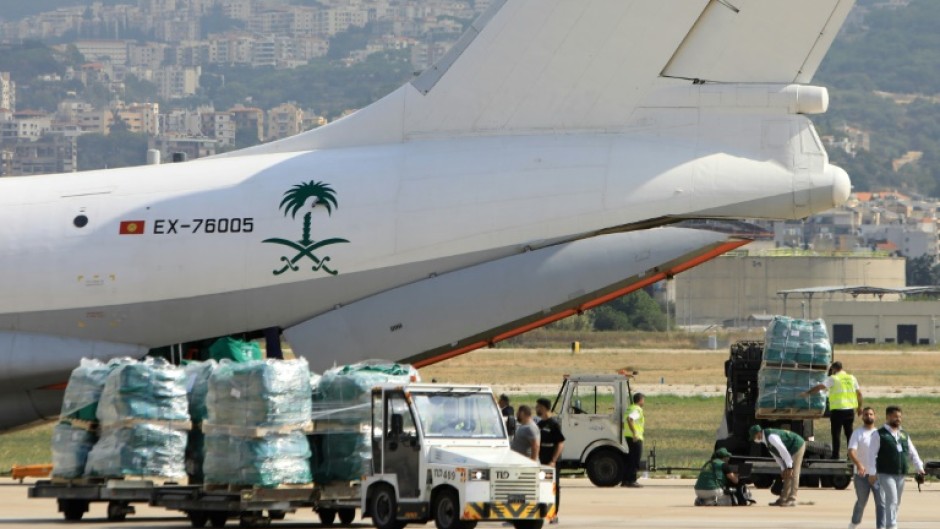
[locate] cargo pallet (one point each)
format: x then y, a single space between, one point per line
742 411
789 413
216 504
75 495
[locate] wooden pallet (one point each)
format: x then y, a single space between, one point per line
184 426
766 364
256 431
134 481
78 481
90 426
788 413
223 487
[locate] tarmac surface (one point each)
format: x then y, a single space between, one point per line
662 503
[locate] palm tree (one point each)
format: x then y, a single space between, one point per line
297 196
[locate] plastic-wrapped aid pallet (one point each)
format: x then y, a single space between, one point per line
142 449
70 448
144 417
780 389
341 446
269 461
74 437
84 388
260 393
152 389
257 414
797 342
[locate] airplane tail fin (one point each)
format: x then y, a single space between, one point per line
566 65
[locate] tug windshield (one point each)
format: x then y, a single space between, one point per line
459 415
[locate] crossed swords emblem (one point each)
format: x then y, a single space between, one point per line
290 263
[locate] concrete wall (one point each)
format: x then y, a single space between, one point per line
878 322
737 285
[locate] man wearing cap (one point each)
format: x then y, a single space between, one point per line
712 480
788 449
845 402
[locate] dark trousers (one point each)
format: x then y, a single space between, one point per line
633 460
841 422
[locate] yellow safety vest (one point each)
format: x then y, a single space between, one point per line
842 394
637 424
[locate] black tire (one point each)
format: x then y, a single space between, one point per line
197 518
277 515
446 509
253 519
817 450
809 482
762 481
73 510
347 516
528 524
383 506
218 519
117 511
841 482
605 467
327 517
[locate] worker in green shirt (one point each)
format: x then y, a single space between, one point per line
713 479
787 448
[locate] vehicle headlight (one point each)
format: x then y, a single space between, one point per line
479 474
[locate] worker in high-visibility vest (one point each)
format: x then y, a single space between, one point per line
633 428
845 402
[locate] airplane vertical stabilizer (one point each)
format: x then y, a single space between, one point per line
544 66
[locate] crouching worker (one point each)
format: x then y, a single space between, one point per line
714 479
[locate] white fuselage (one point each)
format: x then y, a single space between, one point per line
455 202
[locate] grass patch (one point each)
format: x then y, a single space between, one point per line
508 367
26 447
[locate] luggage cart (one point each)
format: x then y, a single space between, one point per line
252 506
75 495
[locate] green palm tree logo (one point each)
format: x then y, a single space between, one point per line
318 194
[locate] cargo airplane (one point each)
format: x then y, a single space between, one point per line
536 171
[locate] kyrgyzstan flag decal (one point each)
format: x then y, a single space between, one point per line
132 227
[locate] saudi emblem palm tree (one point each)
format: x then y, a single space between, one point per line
317 194
298 195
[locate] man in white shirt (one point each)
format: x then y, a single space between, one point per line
890 451
860 454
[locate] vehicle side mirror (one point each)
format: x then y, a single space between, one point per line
398 424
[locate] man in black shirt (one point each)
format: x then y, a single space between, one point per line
552 444
509 414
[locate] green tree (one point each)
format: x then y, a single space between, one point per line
921 271
635 311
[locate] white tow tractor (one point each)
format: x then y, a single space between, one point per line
590 409
441 453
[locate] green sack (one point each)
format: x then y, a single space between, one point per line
235 350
